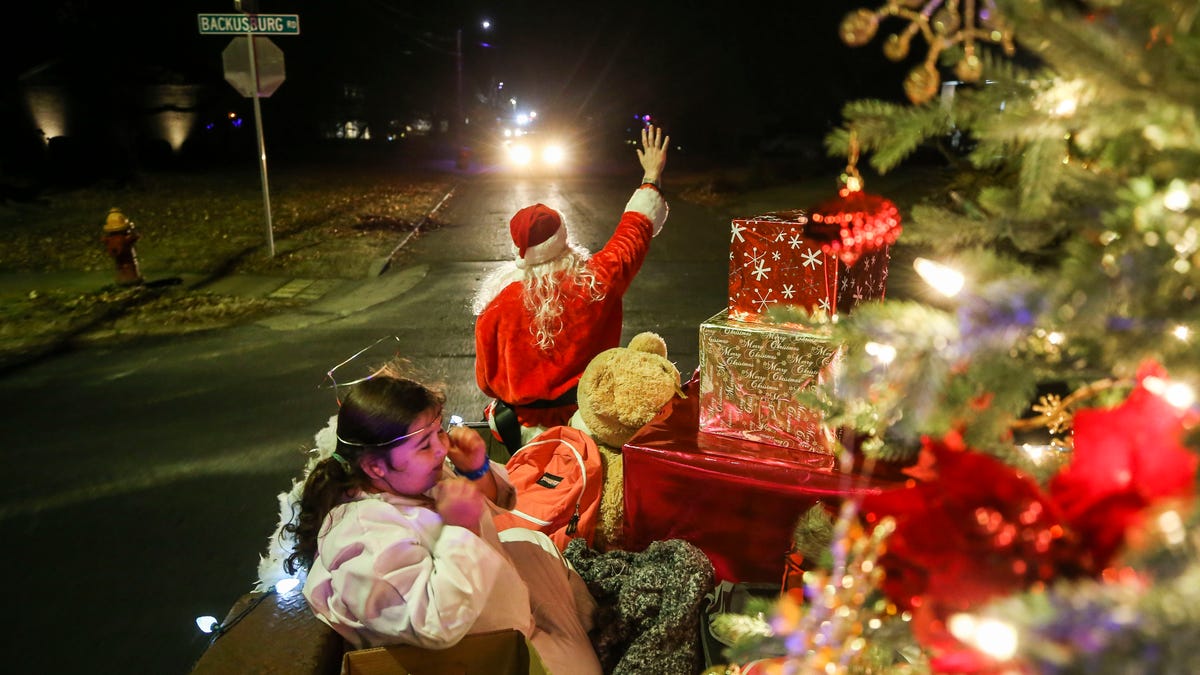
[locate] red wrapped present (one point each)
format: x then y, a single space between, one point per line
737 501
749 376
777 260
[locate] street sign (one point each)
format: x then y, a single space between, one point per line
241 24
268 62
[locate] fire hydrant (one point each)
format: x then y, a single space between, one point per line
119 237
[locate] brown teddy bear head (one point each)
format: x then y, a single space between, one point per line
624 387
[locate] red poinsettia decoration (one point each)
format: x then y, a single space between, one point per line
1125 459
855 223
976 530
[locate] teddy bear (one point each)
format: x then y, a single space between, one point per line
621 390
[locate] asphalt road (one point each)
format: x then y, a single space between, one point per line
142 479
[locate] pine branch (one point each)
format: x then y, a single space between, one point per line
1116 50
888 131
1039 176
813 535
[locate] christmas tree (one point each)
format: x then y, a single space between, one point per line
1042 395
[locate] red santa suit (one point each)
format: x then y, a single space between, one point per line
509 365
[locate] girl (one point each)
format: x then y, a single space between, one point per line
395 530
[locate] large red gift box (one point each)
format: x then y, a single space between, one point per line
737 501
774 261
749 376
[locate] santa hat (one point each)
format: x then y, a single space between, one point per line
538 234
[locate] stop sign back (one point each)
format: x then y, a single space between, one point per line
268 62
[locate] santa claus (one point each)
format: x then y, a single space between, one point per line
542 316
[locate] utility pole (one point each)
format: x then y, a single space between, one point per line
458 55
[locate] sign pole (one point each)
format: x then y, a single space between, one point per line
262 150
250 22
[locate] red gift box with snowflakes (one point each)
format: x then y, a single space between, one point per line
775 260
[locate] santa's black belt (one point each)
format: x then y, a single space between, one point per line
567 398
504 417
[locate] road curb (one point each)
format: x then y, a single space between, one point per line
382 265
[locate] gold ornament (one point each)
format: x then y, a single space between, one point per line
970 69
1056 413
946 22
922 84
859 27
943 24
896 47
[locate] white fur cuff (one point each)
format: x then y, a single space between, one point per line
648 202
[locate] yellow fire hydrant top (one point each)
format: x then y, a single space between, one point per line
116 221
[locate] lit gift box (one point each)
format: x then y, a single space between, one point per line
749 376
776 260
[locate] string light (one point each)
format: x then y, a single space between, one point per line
884 354
996 638
1177 198
945 280
1172 527
1065 108
1037 453
1181 333
1177 394
209 624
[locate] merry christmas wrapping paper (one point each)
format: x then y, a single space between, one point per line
773 261
749 376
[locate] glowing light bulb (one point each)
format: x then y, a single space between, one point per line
884 354
206 624
996 638
962 626
993 637
1177 198
1035 452
1177 394
1172 527
285 586
1065 107
1055 338
1180 395
1182 332
944 280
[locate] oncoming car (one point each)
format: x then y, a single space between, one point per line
535 151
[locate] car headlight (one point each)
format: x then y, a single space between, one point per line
554 154
520 154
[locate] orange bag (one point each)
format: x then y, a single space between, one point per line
558 476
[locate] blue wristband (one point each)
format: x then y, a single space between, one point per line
477 473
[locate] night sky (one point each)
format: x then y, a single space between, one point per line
708 70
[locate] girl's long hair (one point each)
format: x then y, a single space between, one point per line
543 294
